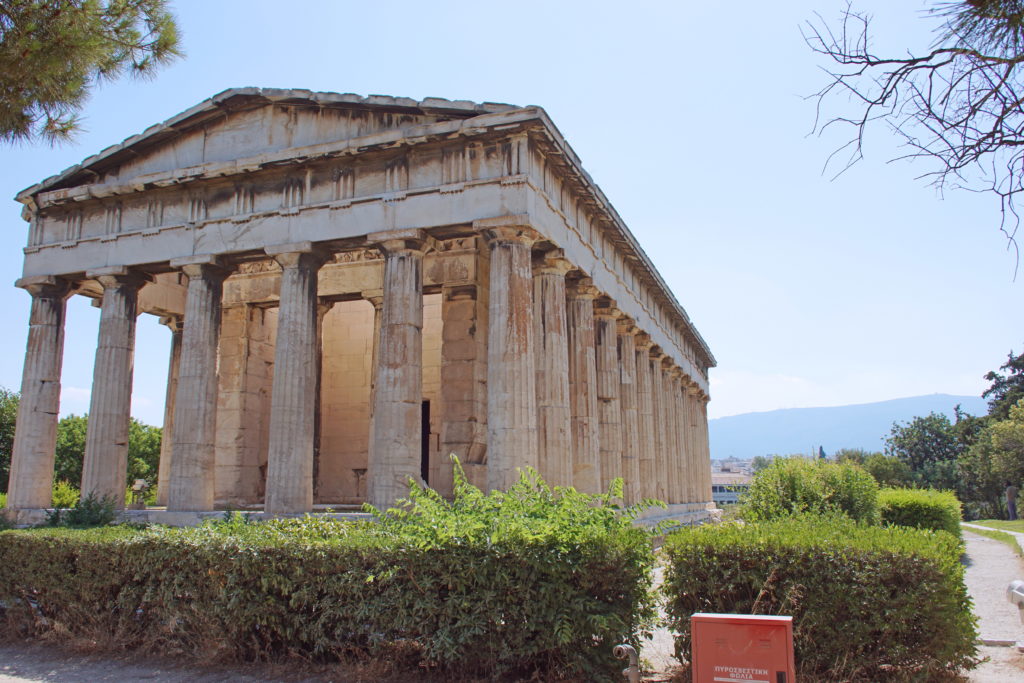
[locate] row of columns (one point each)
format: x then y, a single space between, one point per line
573 389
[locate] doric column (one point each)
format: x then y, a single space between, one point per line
398 388
35 436
292 434
608 389
586 454
511 382
630 415
645 418
322 309
175 324
671 433
658 412
191 485
683 432
554 418
105 467
463 383
704 448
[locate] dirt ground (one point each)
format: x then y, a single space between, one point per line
990 568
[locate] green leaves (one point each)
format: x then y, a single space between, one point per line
531 582
868 602
797 485
921 509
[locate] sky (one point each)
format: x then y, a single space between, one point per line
695 122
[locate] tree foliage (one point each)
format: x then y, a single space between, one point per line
957 103
52 52
143 445
1006 389
8 417
928 445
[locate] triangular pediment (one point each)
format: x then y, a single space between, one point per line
250 122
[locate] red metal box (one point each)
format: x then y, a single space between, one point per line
742 648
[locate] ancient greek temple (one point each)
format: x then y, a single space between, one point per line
356 288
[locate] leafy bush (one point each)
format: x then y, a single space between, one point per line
524 583
3 500
795 485
868 603
88 512
921 508
65 495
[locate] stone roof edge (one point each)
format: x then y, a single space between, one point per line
195 114
620 224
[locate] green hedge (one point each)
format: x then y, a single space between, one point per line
796 485
868 603
525 583
921 508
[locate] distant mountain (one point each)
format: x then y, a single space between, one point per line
799 430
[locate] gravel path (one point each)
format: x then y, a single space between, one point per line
990 568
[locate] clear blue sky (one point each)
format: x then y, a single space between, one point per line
692 119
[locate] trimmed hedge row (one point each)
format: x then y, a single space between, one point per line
921 508
524 583
868 603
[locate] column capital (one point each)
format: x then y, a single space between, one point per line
582 288
667 363
657 354
323 307
298 254
643 341
627 326
605 308
394 241
374 296
203 265
47 286
112 276
497 231
551 261
174 322
461 292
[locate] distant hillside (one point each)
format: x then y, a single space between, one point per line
798 430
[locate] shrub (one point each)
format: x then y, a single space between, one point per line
921 508
796 485
87 512
525 583
868 602
65 495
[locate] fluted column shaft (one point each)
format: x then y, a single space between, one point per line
35 435
704 449
630 416
645 418
191 485
586 454
671 434
174 323
554 417
292 438
608 390
463 384
683 432
398 389
659 427
105 467
511 379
